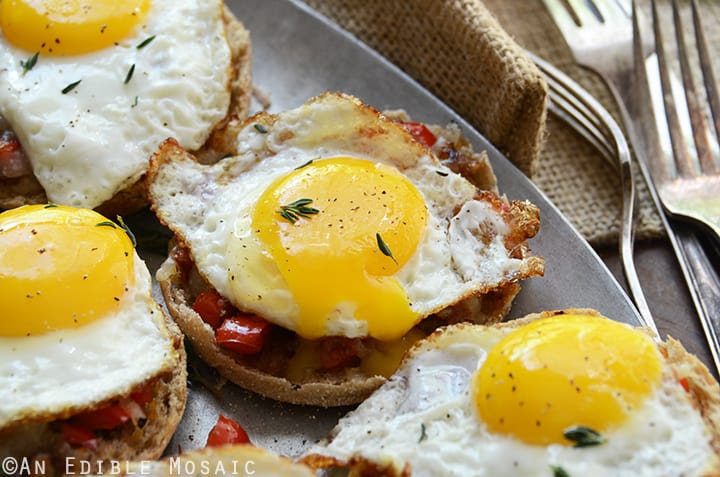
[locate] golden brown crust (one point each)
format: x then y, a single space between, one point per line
27 190
45 440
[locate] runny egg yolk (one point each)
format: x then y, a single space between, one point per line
569 370
370 219
69 27
60 267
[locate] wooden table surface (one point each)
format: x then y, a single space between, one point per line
666 293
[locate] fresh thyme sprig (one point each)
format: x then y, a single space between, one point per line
299 208
559 471
109 223
384 248
145 42
28 64
583 436
106 223
70 87
129 74
423 433
127 230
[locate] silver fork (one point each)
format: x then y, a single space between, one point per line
687 178
577 107
600 35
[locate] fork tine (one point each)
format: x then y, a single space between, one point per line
611 10
683 160
582 11
707 71
697 119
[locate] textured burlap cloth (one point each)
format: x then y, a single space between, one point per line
469 54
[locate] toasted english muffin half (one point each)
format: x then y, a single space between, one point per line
136 439
364 442
25 189
243 459
287 368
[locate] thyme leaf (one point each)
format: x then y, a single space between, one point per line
304 165
384 248
584 436
260 128
296 209
50 205
423 434
129 74
559 471
28 64
106 223
70 87
145 42
127 230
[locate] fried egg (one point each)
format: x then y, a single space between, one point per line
332 220
567 395
79 322
92 88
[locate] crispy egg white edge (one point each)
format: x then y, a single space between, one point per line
332 121
90 143
424 415
45 375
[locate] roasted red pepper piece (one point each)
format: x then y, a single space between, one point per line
226 432
338 352
213 308
105 418
421 133
78 436
182 257
243 334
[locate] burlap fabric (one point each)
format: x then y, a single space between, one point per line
468 54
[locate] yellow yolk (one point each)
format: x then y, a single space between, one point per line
565 371
370 220
69 27
60 267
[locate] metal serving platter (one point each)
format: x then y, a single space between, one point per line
299 54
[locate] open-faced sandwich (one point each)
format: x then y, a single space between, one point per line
91 368
228 461
565 394
87 94
306 263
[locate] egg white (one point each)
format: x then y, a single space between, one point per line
212 207
88 144
425 416
74 369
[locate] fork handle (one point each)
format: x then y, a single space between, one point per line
705 292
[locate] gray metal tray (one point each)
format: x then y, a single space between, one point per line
298 54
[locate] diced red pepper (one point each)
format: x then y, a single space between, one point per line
13 162
684 383
78 436
105 418
338 352
226 432
421 133
144 395
213 308
183 259
243 334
